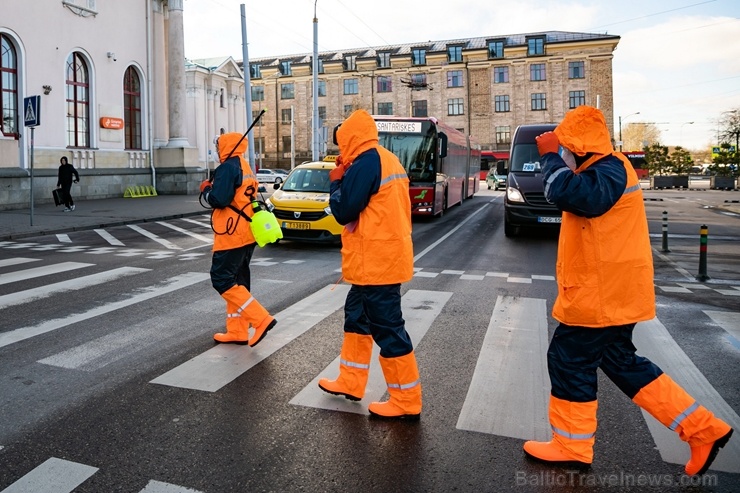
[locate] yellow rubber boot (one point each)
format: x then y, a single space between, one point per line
670 404
354 367
573 429
236 328
404 387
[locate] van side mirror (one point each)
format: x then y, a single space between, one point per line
501 167
442 144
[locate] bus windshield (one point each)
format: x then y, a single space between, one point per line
525 157
415 151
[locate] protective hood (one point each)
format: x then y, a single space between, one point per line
226 143
584 130
356 135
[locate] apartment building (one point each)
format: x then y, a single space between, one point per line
483 86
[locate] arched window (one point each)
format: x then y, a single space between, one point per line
132 108
78 102
8 87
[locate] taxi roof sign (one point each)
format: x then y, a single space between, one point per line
330 158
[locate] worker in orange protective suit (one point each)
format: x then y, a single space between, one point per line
370 197
605 286
230 194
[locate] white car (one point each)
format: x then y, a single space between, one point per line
266 175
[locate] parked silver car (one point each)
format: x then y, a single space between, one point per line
265 175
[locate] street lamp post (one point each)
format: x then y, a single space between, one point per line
620 128
680 133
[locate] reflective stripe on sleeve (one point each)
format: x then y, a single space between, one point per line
631 189
397 176
552 178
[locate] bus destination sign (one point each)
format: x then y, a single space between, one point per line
399 127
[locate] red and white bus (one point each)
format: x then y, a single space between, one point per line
489 159
637 158
443 164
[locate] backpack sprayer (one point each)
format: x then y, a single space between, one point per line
263 223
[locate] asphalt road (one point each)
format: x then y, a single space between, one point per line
110 381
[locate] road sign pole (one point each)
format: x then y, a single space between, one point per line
32 129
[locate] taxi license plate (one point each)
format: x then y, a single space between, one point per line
288 225
549 219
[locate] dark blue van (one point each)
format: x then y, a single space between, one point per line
524 203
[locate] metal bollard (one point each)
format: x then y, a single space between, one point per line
665 232
703 255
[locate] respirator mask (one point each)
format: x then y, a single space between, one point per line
568 157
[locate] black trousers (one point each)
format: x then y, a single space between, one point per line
231 267
575 353
67 195
376 311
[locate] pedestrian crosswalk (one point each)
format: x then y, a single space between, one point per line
507 393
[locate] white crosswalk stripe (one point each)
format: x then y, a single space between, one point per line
508 394
420 309
23 275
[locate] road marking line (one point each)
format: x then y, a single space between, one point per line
77 283
202 238
17 261
172 284
221 365
730 321
63 238
154 237
420 309
510 389
23 275
654 342
198 223
53 476
112 240
160 487
451 232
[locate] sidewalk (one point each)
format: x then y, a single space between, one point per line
91 214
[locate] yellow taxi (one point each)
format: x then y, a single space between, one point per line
301 204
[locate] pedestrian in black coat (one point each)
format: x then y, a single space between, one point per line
64 181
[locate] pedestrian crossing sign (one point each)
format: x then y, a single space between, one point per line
32 111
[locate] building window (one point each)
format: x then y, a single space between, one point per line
286 116
418 56
495 49
255 114
455 106
350 63
418 81
455 78
454 54
385 83
537 71
8 87
320 66
348 108
500 75
322 88
535 46
132 108
259 145
322 114
78 102
384 60
285 68
255 71
502 104
539 102
576 98
419 108
351 86
503 135
287 91
385 108
258 93
222 98
576 70
287 144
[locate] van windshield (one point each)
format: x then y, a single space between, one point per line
308 180
525 157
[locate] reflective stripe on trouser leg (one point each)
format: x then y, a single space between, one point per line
354 366
670 404
248 307
574 427
404 387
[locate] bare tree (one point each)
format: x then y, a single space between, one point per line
729 128
640 135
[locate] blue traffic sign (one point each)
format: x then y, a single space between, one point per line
32 111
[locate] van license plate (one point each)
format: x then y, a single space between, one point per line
288 225
549 219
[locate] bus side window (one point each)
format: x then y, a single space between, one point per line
442 145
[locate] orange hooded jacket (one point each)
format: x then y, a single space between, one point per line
379 249
231 230
605 263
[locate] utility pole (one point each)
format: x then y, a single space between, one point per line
315 130
247 86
